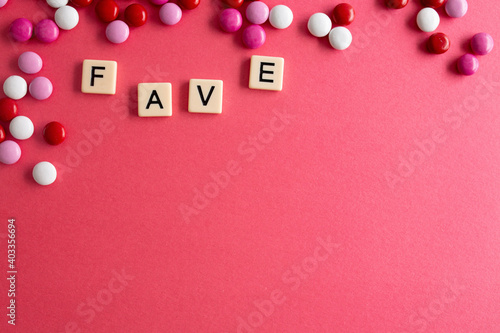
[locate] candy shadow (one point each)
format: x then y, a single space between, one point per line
465 46
452 67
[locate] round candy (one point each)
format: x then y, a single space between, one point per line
456 8
44 173
319 25
15 87
107 10
54 133
136 15
343 14
467 64
281 17
3 3
234 3
189 4
428 19
82 3
41 88
482 43
21 127
30 62
8 109
254 36
21 30
66 17
340 38
257 12
433 3
158 2
2 134
46 31
10 152
230 20
117 32
396 4
57 3
438 43
170 13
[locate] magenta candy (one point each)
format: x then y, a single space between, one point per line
257 12
117 32
468 64
456 8
10 152
21 30
482 43
230 20
170 13
158 2
254 36
41 88
46 31
30 62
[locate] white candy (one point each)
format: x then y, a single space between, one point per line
21 127
281 17
66 17
15 87
428 19
57 3
319 25
340 38
44 173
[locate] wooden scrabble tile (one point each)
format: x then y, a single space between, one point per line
154 99
205 96
266 73
99 77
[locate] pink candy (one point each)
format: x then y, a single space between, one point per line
40 88
30 62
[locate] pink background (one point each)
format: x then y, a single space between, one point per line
418 253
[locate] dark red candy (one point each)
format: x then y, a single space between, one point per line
433 3
189 4
343 14
136 15
438 43
107 10
81 3
234 3
8 109
2 134
396 4
54 133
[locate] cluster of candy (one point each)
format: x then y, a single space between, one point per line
428 21
257 13
320 25
21 127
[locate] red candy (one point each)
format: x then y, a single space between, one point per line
343 14
396 4
107 10
136 15
438 43
8 109
189 4
82 3
433 3
2 134
234 3
54 133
